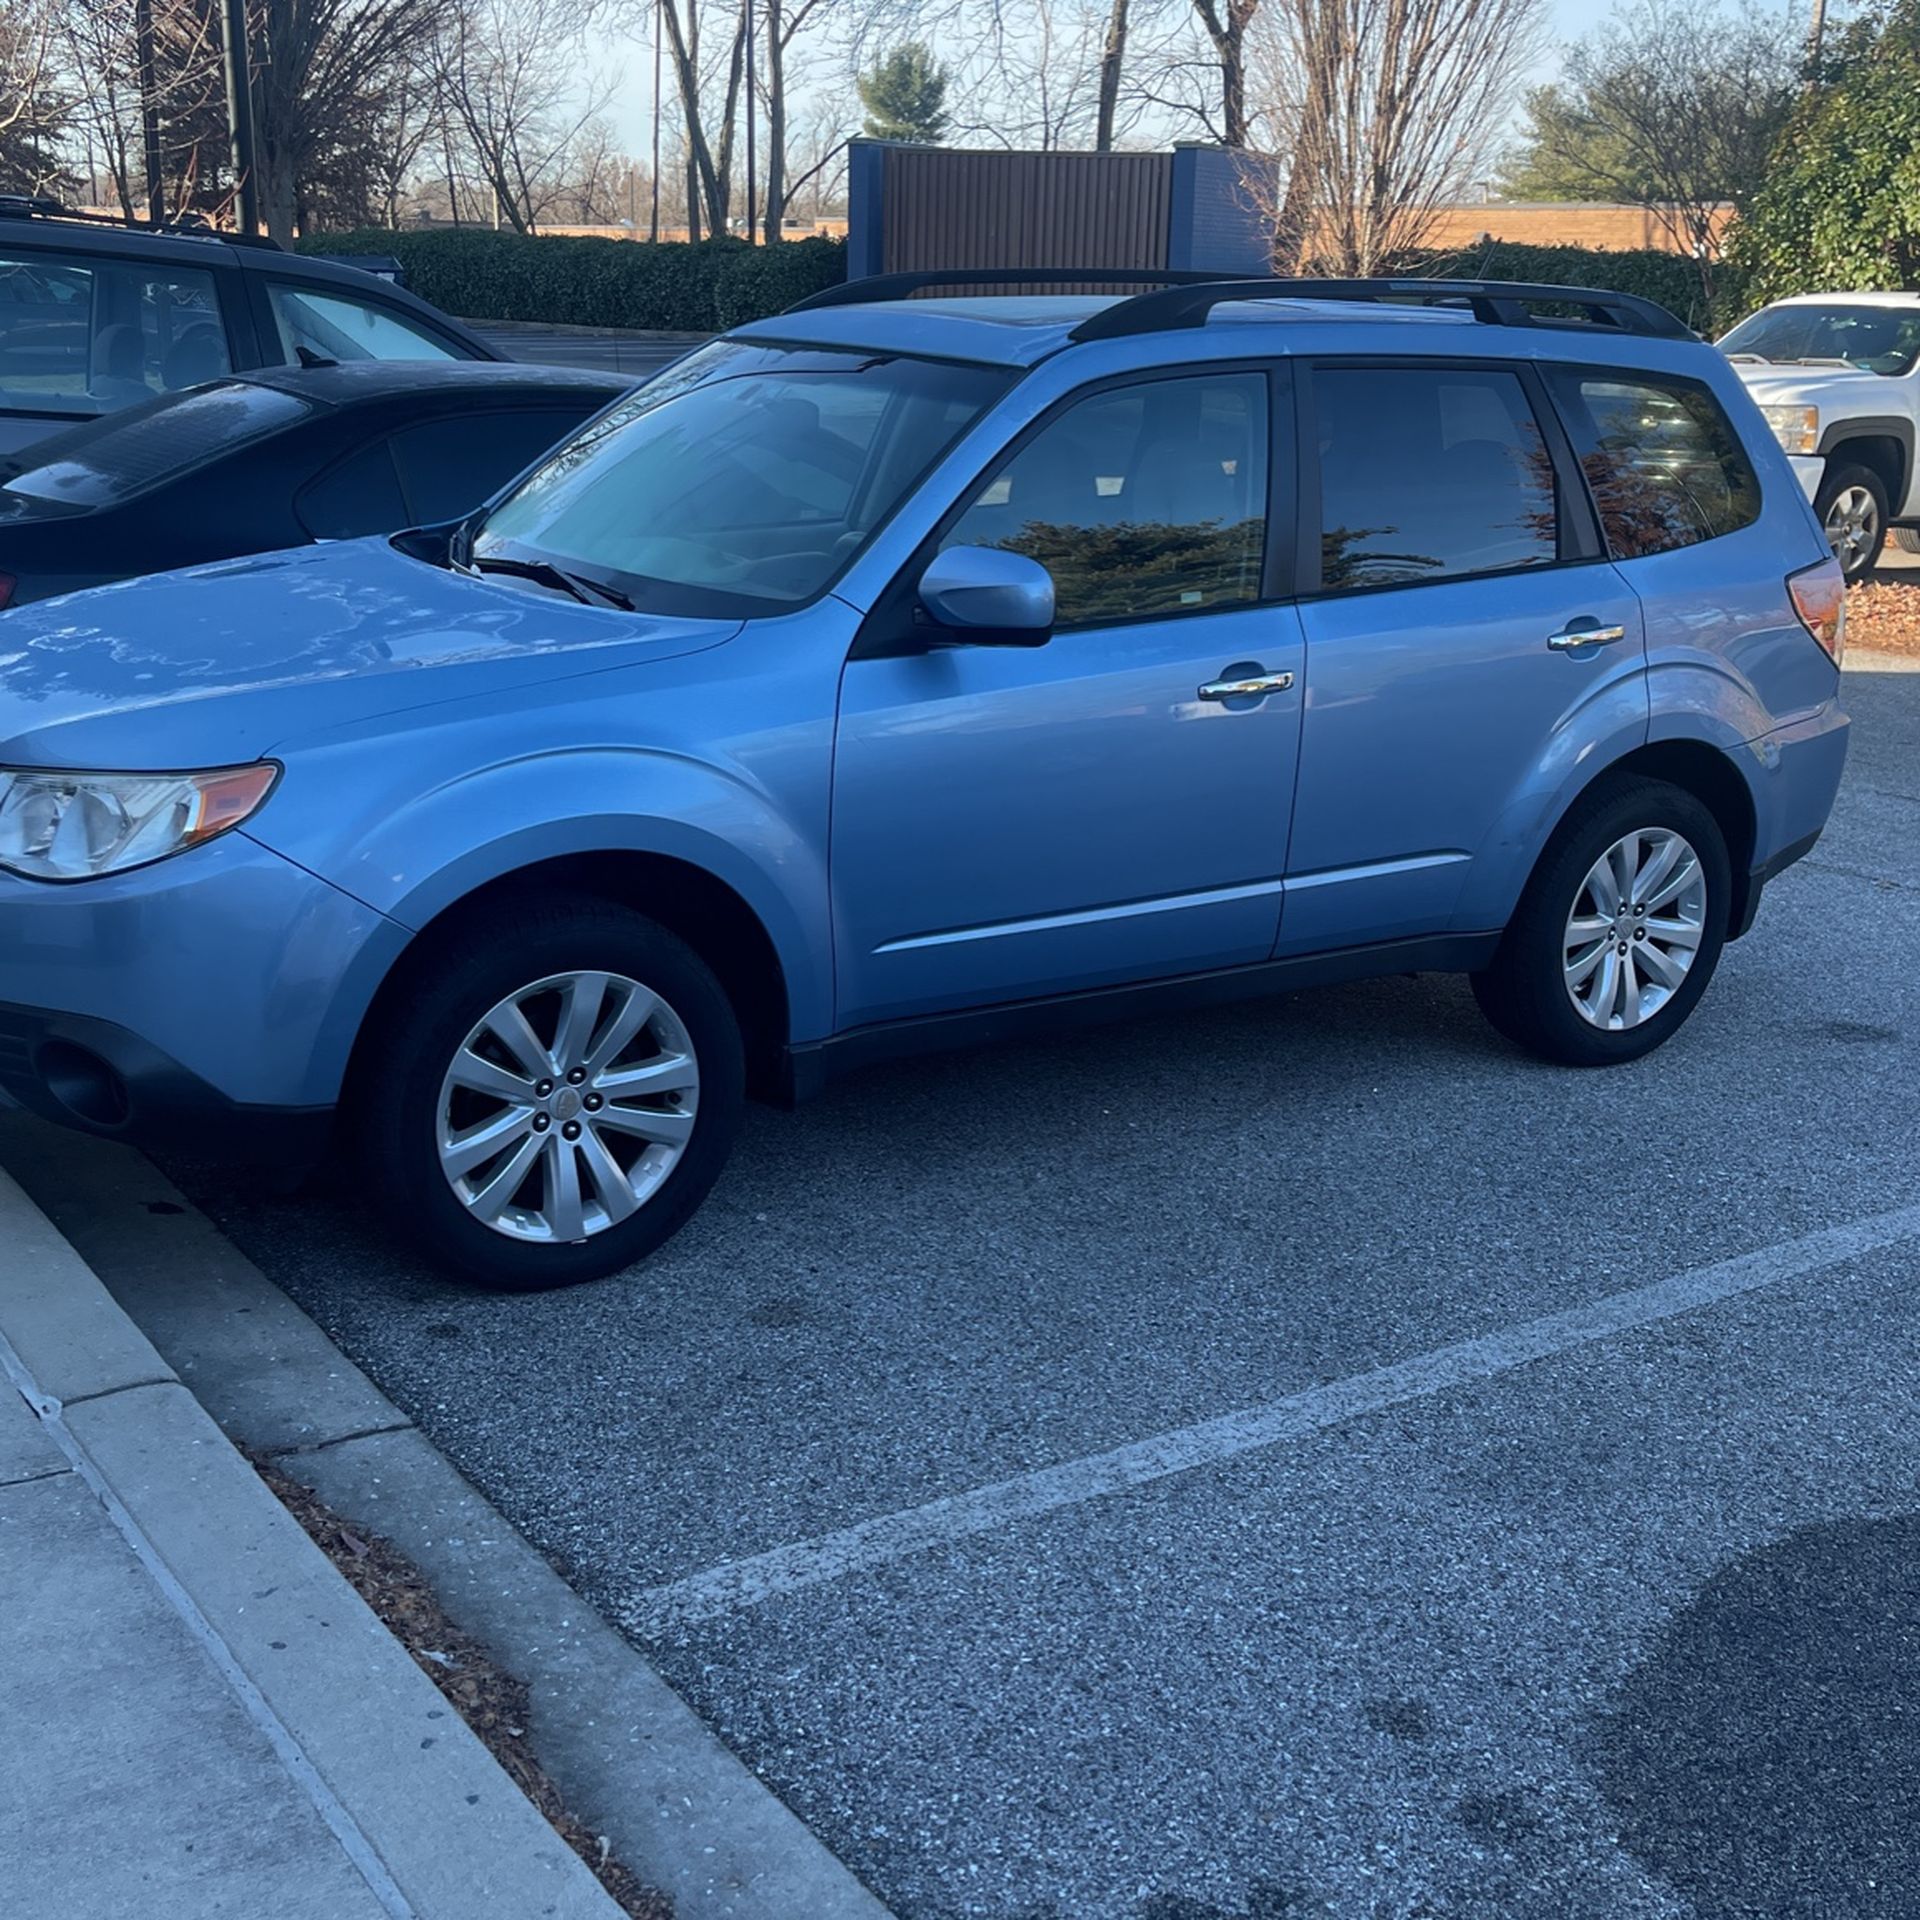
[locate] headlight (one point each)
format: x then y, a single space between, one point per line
75 826
1796 428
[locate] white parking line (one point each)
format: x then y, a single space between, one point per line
895 1536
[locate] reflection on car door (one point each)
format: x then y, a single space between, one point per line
1441 677
1011 822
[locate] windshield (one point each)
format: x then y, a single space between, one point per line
1874 339
742 479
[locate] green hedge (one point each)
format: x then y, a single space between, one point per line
1669 278
481 275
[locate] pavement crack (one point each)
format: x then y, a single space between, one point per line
299 1447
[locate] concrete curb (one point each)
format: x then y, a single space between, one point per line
434 1826
630 1757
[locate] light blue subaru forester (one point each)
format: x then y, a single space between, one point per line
912 670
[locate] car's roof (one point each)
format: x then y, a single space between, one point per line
53 233
1021 330
360 382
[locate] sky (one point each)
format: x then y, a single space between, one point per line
631 109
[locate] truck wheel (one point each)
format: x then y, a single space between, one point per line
1619 929
1852 508
551 1094
1907 539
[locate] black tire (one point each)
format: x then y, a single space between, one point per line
1524 992
448 988
1857 558
1907 539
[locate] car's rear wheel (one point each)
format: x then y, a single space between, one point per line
1619 929
548 1099
1852 508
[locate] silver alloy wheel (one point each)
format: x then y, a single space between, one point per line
567 1106
1853 527
1635 928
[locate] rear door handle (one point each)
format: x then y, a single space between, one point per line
1251 688
1585 636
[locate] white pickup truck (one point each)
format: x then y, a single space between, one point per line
1835 376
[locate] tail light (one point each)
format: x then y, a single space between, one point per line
7 585
1820 599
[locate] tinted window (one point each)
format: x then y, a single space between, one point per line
448 467
341 327
119 459
360 496
1429 473
1144 499
742 476
1664 467
1875 338
93 337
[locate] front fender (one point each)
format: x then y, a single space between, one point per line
434 848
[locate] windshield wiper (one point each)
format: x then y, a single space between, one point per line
544 573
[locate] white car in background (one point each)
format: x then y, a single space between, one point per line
1835 376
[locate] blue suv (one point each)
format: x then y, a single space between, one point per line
908 671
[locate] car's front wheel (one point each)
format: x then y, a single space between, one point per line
1619 929
551 1094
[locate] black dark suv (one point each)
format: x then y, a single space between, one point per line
95 315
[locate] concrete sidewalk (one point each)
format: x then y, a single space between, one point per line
199 1719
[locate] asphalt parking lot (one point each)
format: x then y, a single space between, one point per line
1297 1459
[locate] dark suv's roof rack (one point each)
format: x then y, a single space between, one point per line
1185 299
189 226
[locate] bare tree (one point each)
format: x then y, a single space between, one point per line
508 73
1383 111
1226 23
324 71
33 106
1671 107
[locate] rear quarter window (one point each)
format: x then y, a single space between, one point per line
1661 459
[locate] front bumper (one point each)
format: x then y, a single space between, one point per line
1809 469
208 1002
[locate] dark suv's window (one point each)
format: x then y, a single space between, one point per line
91 336
1428 473
1144 499
1663 465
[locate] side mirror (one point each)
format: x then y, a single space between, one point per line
986 597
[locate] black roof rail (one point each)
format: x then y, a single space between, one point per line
901 286
1497 303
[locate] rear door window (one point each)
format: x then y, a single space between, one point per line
314 326
1429 473
449 467
1662 461
87 337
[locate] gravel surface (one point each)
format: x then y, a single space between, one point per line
1627 1633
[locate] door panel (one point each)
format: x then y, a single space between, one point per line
1436 717
1446 709
1011 822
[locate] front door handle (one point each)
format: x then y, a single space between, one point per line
1252 688
1577 635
